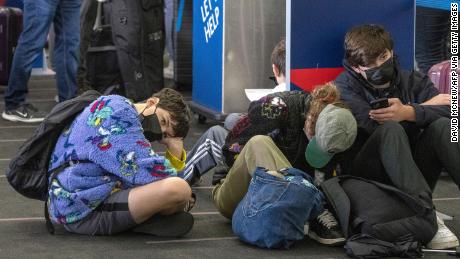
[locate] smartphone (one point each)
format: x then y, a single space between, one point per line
380 103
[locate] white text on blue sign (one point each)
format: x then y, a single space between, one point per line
210 18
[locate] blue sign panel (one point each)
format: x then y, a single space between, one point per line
318 29
437 4
207 53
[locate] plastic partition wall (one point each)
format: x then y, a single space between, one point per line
232 43
316 30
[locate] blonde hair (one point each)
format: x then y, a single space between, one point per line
321 97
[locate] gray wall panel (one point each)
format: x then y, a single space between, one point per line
252 29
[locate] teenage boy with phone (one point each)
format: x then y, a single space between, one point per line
406 144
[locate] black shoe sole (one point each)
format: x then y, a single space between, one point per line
175 225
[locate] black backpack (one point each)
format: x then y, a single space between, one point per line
365 207
102 66
28 171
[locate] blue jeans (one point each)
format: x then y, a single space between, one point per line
38 16
274 211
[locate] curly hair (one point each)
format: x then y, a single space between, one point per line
321 97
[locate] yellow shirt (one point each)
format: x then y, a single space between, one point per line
177 163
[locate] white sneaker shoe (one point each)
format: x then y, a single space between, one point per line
444 238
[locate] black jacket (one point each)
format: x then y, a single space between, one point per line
280 116
410 87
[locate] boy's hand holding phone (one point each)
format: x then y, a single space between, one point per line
395 111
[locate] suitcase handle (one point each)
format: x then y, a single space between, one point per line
98 22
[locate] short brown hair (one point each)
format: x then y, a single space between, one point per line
278 57
173 102
365 43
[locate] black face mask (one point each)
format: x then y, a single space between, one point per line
151 126
382 74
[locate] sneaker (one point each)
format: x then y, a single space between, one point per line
175 225
326 230
444 238
24 113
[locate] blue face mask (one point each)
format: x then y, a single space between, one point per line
151 126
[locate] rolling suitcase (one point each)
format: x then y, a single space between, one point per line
10 29
440 76
183 20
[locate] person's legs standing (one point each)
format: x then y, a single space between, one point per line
51 40
67 28
38 16
260 151
87 19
